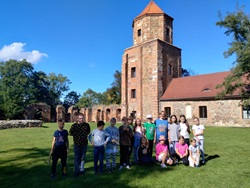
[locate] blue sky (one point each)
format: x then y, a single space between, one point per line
85 39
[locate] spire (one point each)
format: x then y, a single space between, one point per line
151 8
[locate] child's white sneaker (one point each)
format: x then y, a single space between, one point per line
127 167
163 166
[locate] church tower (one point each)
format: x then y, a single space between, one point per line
149 65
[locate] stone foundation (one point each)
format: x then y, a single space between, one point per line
11 124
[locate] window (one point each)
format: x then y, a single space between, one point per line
133 72
246 112
133 114
203 111
139 32
133 93
169 69
168 32
167 111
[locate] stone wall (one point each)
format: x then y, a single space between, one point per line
219 112
10 124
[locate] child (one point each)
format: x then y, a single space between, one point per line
112 146
173 135
162 154
161 128
181 149
194 154
185 129
101 138
149 131
198 131
139 132
59 149
143 153
126 134
130 124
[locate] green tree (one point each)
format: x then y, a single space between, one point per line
237 24
16 87
89 99
70 99
58 84
113 94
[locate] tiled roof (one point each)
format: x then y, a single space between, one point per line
194 87
151 8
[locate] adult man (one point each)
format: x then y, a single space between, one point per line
80 132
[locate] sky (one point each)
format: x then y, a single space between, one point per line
84 40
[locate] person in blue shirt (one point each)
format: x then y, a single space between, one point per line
99 140
161 128
59 148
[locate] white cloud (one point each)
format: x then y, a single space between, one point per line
16 51
92 65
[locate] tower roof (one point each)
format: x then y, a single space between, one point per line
151 8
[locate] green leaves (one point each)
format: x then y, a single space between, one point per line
238 25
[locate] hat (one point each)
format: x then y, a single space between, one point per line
162 137
149 116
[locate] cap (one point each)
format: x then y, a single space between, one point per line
149 116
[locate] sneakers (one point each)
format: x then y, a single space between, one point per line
127 167
163 166
203 162
120 168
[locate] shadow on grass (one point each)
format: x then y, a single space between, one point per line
25 167
211 157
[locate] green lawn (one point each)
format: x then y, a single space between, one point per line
23 151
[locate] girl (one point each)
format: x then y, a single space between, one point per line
194 154
139 131
185 129
198 131
181 149
173 135
162 154
143 152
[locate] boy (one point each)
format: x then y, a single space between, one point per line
162 154
126 134
150 130
101 138
112 146
59 149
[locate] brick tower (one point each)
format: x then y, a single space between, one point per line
150 64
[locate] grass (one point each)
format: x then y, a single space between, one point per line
23 151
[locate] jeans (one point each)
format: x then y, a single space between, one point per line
79 156
98 155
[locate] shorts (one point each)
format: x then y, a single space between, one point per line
161 156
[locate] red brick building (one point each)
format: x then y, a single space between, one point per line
150 64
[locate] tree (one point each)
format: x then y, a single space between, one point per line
187 72
16 87
71 99
113 94
237 24
58 85
89 99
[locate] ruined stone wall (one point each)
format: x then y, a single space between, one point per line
11 124
219 112
102 112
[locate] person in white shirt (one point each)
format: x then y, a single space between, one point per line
185 129
198 131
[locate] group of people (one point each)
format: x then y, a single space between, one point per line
171 139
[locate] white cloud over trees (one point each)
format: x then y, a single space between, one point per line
16 51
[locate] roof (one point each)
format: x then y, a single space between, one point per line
151 8
195 87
